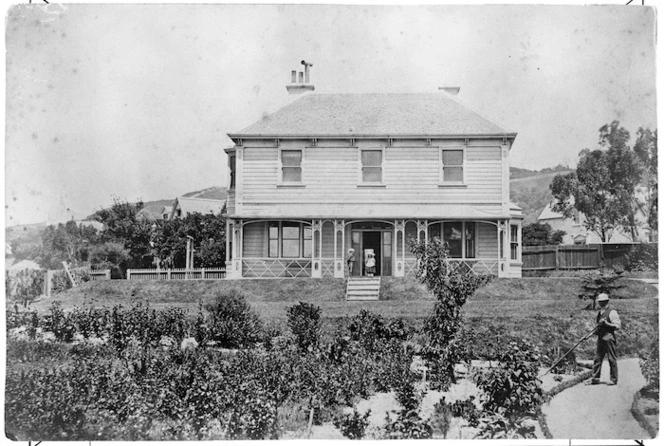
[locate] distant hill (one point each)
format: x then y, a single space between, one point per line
530 190
152 209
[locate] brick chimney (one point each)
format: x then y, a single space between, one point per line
304 83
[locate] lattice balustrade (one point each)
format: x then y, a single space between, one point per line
327 267
262 267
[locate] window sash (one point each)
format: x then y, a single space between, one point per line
372 166
291 166
231 165
514 242
452 161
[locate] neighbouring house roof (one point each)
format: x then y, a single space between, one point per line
374 114
549 214
166 210
187 205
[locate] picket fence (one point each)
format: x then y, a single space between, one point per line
177 274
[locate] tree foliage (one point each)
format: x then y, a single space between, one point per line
452 284
603 186
541 234
123 224
209 239
645 149
68 242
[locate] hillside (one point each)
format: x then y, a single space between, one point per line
532 192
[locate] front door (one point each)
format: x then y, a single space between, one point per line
372 240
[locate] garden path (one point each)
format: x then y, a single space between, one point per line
599 411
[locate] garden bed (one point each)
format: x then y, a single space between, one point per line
645 409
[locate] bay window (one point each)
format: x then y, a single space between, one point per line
289 240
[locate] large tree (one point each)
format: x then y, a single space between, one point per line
209 240
603 186
645 149
123 224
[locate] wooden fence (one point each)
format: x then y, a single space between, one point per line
572 257
177 274
103 274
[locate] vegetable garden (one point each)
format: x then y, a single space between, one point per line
139 373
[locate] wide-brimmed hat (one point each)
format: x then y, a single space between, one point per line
602 297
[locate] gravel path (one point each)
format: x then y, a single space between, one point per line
600 411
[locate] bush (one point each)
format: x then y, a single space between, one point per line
467 410
371 330
60 323
232 322
441 418
352 426
642 257
595 283
408 423
649 363
304 322
498 426
513 386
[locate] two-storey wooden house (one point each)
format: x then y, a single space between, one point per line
330 172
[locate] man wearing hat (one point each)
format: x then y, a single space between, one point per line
608 322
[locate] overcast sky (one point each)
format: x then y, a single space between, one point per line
135 101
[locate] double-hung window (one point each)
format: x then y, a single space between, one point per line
291 166
514 242
372 166
452 166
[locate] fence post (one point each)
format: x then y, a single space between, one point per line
557 254
128 274
202 273
108 274
168 274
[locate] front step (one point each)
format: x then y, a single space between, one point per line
363 288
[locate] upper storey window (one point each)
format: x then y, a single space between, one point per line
291 166
452 166
231 165
372 166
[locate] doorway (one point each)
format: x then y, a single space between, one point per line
380 242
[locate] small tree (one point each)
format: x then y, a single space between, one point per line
597 282
452 284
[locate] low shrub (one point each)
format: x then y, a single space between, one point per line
372 330
513 386
597 282
642 257
498 426
408 422
232 322
352 426
441 418
467 410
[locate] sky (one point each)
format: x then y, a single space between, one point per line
135 101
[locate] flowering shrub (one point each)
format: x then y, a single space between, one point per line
25 285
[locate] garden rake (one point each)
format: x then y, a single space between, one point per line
571 349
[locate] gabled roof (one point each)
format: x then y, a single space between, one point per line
549 214
374 114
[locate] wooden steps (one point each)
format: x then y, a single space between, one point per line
363 288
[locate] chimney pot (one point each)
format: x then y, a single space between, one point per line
301 77
293 76
302 83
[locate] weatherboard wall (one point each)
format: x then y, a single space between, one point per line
331 175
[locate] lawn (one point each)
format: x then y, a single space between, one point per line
543 310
